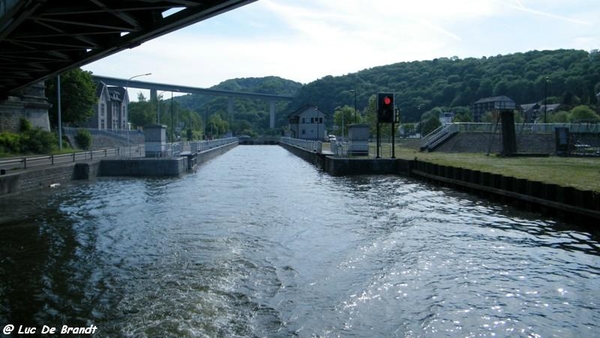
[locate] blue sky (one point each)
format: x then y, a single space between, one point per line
304 40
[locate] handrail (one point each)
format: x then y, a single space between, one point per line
25 162
314 146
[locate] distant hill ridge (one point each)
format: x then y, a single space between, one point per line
569 77
573 77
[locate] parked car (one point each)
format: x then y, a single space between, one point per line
331 138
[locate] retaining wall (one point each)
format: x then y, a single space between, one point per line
34 179
573 205
144 167
207 155
42 177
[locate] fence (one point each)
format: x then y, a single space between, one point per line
315 146
520 128
171 150
26 162
121 135
199 146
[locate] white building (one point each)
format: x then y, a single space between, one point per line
308 123
110 112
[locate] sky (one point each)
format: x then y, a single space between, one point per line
305 40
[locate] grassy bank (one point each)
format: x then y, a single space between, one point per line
578 172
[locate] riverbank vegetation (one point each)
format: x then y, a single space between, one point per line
29 141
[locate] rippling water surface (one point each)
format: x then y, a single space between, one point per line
260 243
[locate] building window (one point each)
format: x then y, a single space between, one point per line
303 132
102 124
102 109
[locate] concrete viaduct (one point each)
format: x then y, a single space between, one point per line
154 87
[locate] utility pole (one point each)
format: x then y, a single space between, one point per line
59 114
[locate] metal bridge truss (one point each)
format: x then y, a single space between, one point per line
42 38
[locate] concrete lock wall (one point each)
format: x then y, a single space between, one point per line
577 206
35 179
40 178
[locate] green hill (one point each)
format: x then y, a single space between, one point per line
454 84
569 77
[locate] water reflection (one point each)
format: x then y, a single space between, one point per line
260 243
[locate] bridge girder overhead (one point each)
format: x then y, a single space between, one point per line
42 38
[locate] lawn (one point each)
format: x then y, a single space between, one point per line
579 172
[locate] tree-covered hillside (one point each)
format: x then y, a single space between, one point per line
571 77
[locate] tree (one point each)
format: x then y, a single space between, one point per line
583 113
216 125
142 113
342 117
558 117
83 138
430 124
78 95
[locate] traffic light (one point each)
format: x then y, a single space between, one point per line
385 108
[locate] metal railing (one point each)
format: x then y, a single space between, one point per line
534 128
339 148
520 128
314 146
26 162
171 150
200 146
117 133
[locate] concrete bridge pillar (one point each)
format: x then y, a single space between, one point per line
230 106
153 95
272 111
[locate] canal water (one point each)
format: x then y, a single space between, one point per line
258 243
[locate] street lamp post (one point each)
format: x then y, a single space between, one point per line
334 110
172 119
158 96
59 114
204 131
546 100
127 112
354 91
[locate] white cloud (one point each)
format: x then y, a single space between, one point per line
306 40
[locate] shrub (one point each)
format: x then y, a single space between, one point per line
10 143
37 141
25 125
83 138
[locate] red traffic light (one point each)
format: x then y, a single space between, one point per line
387 100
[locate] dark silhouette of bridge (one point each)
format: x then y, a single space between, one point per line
154 87
40 39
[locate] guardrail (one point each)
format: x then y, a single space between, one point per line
315 146
199 146
122 134
27 162
527 127
520 128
